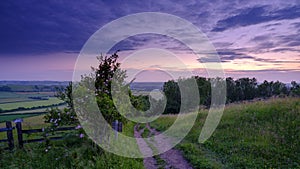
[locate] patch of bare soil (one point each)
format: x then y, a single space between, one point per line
170 159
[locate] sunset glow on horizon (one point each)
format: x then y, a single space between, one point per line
42 40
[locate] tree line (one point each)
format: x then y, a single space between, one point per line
237 90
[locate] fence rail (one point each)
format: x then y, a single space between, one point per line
117 126
20 132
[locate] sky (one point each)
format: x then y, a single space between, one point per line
41 40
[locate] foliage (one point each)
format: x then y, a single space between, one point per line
67 116
108 70
172 93
237 90
295 89
140 102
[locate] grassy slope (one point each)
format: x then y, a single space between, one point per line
254 135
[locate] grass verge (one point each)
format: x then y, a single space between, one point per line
262 134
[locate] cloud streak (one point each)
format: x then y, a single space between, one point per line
266 33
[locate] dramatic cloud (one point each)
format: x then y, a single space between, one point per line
265 34
256 15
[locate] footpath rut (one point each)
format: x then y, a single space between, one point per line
171 159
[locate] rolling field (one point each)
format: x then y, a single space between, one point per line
30 104
263 134
15 105
12 117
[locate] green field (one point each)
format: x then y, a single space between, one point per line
15 105
30 104
16 116
264 134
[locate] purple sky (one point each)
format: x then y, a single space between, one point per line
40 40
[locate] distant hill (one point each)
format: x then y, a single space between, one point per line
43 83
31 86
50 85
146 86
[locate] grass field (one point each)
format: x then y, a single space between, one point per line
4 95
13 102
16 116
30 104
31 111
263 134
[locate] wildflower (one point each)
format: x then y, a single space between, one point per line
78 127
81 135
43 129
46 150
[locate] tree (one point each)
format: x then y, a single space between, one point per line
67 116
204 88
172 93
295 89
108 70
102 80
279 88
264 89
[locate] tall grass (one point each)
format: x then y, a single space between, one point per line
72 152
262 134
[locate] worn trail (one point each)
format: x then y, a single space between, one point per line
170 159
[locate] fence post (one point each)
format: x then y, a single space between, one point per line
116 129
120 127
10 136
20 135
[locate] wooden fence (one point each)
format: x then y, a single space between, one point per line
117 126
9 134
20 132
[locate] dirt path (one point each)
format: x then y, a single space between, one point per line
170 159
150 162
